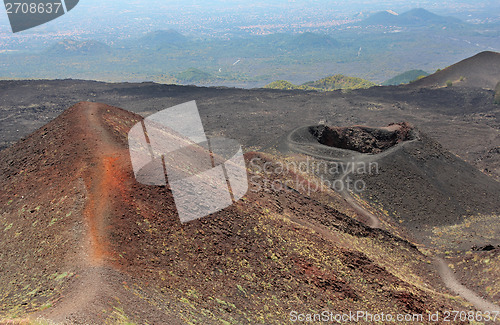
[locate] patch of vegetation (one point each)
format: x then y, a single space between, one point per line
340 81
194 75
162 38
61 276
285 85
406 77
331 83
312 40
118 317
449 83
46 306
73 47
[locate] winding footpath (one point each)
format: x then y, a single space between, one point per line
89 292
452 283
447 275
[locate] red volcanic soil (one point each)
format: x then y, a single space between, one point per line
102 184
62 188
106 183
83 243
482 71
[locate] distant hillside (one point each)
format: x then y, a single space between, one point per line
405 77
382 18
162 38
335 82
194 75
412 18
421 16
312 40
73 47
481 70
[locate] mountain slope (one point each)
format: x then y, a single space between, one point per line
497 94
84 243
482 71
72 47
405 77
408 183
418 17
194 75
161 39
415 178
55 190
434 187
311 41
382 18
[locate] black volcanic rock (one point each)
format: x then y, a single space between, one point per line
480 71
425 185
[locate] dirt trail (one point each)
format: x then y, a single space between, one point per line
444 271
101 187
316 150
88 294
372 221
451 282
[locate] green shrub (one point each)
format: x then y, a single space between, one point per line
281 84
449 83
339 81
331 83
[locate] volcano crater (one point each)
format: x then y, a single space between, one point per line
364 139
